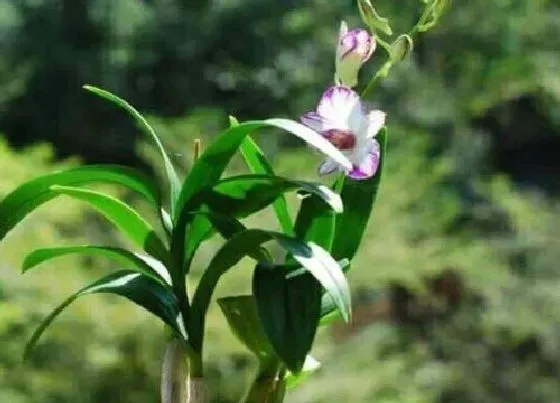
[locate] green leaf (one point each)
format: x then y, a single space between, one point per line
141 263
243 195
124 217
358 198
312 257
240 196
309 367
258 164
315 222
289 310
207 170
172 177
243 319
29 196
140 289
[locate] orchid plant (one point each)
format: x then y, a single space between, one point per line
291 296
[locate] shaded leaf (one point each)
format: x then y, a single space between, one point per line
289 310
243 319
312 257
140 289
358 198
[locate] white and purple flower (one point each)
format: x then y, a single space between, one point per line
342 118
354 48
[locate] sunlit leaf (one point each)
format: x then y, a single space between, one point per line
258 164
29 196
124 217
143 124
310 366
141 263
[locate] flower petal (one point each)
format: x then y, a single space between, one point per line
312 138
328 166
367 168
316 122
376 120
313 120
337 104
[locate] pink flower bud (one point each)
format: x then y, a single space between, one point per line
354 49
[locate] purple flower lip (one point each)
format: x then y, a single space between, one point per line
341 139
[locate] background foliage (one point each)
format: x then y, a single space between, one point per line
472 184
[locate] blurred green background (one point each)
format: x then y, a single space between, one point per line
472 185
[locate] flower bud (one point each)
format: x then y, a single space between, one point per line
373 20
400 48
353 50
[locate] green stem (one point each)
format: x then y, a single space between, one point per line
268 386
381 73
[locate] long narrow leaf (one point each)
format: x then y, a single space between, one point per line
141 263
29 196
257 163
124 217
246 194
240 196
144 126
318 262
140 289
359 199
209 167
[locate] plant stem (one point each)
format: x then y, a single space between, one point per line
197 390
174 373
268 386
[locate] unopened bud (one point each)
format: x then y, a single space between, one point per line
400 48
373 20
354 48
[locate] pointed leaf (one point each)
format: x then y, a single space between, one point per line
142 123
243 319
243 195
29 196
289 310
124 217
140 289
258 164
358 198
240 196
312 257
207 170
315 222
141 263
